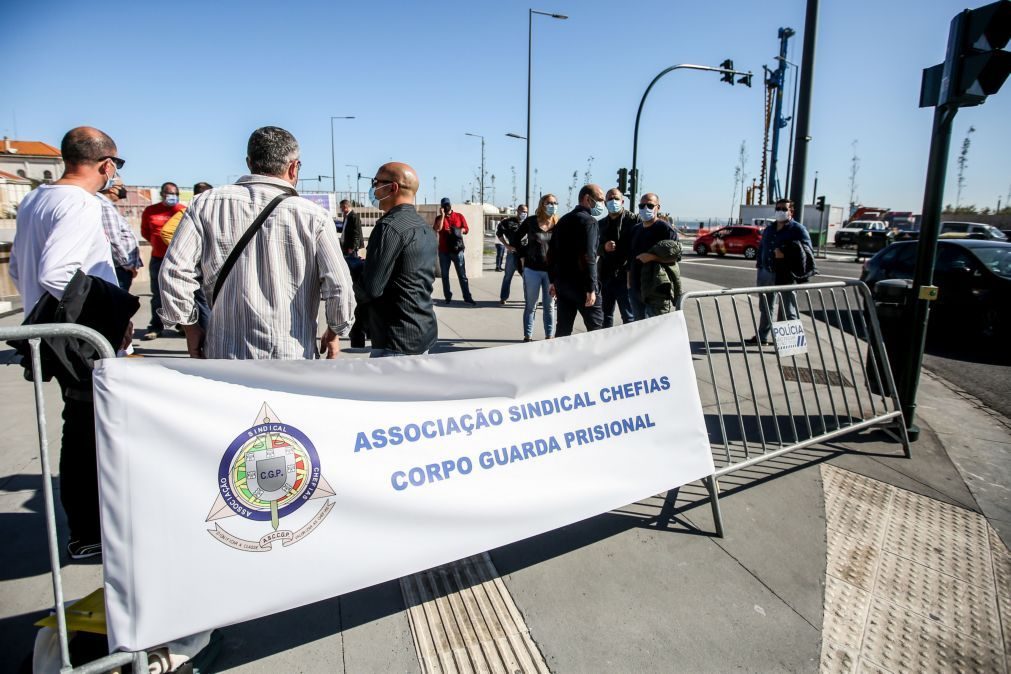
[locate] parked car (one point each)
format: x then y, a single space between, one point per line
971 230
735 240
973 279
848 235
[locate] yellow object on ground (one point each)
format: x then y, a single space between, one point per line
84 615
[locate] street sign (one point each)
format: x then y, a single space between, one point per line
790 338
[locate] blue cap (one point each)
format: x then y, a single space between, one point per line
446 202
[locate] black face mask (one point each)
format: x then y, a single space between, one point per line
121 192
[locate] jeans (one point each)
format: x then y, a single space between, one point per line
636 305
458 261
153 269
507 278
124 277
768 278
203 309
79 466
615 291
499 254
534 283
567 308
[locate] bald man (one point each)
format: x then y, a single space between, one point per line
572 264
59 231
650 231
396 284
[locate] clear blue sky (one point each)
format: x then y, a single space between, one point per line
181 85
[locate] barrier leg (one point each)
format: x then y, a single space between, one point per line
47 498
714 499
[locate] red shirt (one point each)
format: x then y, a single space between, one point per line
454 219
152 220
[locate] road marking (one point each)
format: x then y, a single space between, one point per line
463 619
737 266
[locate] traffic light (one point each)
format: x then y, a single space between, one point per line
976 64
745 80
729 77
623 180
821 204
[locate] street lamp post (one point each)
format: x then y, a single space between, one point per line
477 135
727 72
530 52
333 153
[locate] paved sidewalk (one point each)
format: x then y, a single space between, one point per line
834 557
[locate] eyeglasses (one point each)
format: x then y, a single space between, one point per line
115 160
376 182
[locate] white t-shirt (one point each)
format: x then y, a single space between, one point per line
59 230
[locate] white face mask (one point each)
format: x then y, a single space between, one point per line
614 206
647 214
521 216
782 216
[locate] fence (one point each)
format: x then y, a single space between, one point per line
35 334
760 405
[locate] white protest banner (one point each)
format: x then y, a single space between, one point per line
237 489
790 338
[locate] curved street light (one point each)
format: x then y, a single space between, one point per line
530 52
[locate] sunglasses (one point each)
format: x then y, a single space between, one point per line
115 160
647 205
376 182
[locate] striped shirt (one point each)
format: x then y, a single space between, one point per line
396 284
125 250
270 300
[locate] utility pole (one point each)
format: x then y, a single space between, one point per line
802 131
778 80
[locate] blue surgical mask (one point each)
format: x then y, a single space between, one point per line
171 199
373 199
614 206
647 214
551 209
597 211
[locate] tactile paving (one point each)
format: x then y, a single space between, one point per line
914 584
463 619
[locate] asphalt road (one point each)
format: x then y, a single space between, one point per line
983 372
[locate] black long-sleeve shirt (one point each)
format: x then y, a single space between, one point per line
572 254
619 230
397 281
351 235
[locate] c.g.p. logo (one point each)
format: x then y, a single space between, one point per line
269 474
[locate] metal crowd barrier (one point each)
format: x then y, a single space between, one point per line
35 334
759 405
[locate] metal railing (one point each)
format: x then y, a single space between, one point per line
35 334
760 405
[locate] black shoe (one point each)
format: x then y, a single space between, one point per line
528 339
470 301
502 301
83 550
755 341
447 300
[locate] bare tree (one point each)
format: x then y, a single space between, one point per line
588 176
854 168
536 193
513 169
740 176
572 188
963 162
493 188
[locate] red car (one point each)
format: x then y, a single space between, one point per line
735 240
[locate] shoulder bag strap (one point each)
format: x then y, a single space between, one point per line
241 244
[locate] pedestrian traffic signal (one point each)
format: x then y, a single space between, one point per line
623 180
821 204
976 64
728 77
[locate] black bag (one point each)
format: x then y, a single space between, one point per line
456 244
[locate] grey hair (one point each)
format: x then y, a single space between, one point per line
270 150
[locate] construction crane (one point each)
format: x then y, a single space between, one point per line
774 120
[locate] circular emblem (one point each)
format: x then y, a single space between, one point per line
269 467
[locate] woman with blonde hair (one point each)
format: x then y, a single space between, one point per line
533 238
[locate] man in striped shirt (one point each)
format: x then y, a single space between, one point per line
125 250
268 305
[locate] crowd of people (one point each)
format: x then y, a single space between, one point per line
242 270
